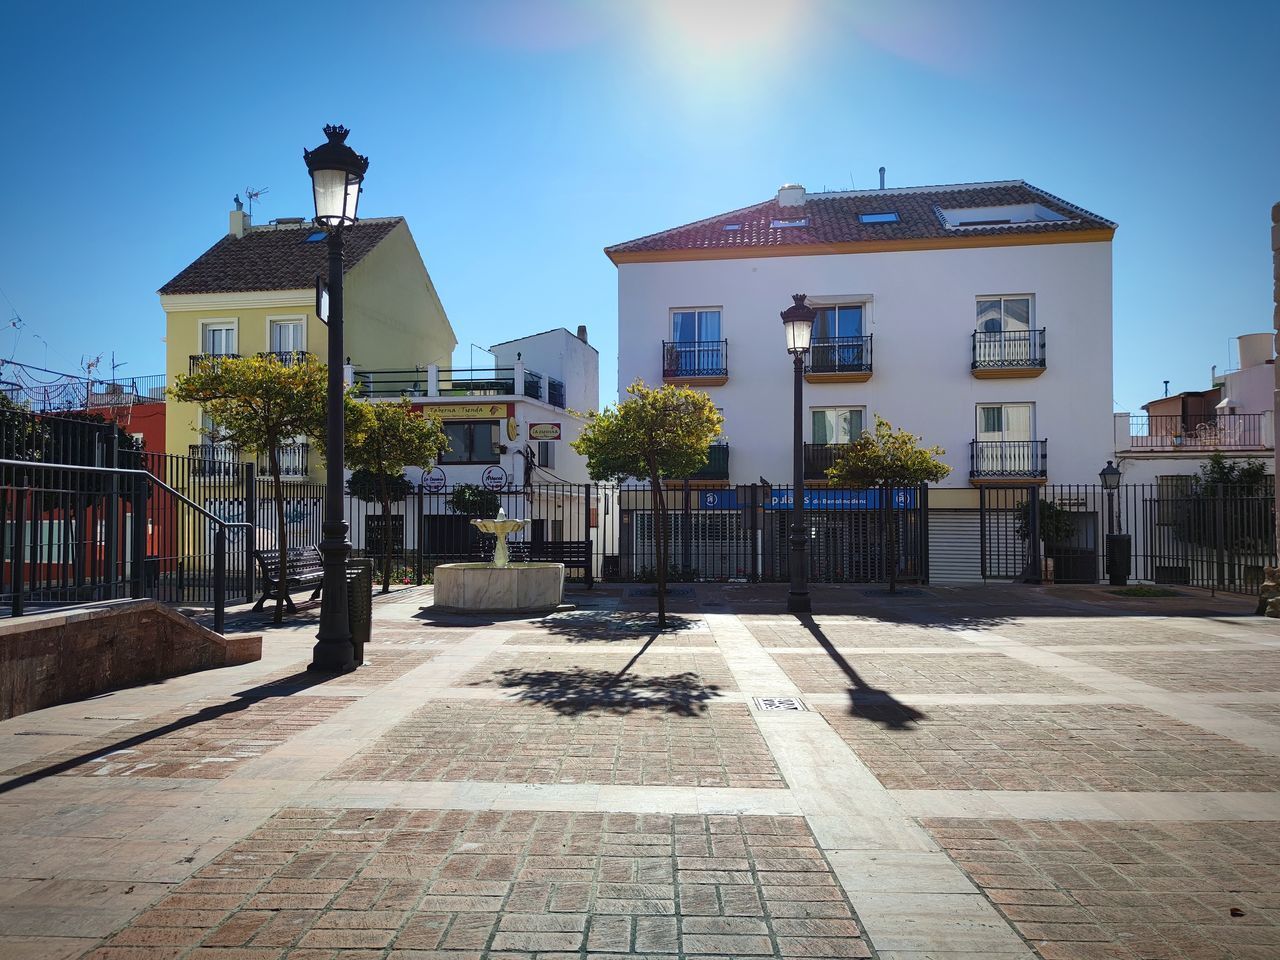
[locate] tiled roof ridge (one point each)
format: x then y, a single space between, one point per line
1068 204
311 224
923 188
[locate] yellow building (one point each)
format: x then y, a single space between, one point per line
253 292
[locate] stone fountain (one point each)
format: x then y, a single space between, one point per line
500 586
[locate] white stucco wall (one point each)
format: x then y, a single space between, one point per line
1251 390
560 354
922 313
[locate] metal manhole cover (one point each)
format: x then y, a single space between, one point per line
780 703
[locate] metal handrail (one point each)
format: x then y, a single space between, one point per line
140 538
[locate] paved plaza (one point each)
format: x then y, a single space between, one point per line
1006 772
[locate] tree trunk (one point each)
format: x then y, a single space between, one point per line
282 545
659 505
384 489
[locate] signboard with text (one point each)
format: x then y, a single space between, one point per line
467 411
814 499
544 431
494 478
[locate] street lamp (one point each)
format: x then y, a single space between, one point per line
336 174
1118 545
797 321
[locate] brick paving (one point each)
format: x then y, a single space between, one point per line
721 747
208 739
967 672
1128 890
1217 671
704 670
461 884
1106 630
774 633
1075 747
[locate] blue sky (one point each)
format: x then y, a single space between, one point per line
520 137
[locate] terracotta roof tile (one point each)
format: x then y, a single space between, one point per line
274 258
834 218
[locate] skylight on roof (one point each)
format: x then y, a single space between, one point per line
732 226
1000 216
801 222
315 237
888 217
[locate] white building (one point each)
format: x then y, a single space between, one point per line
1175 435
977 316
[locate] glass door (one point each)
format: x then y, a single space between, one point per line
287 336
1004 331
696 340
837 338
219 339
1005 433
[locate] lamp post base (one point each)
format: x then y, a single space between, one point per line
334 652
798 603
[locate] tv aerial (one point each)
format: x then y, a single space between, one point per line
251 195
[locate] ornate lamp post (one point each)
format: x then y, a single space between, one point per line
797 321
1118 545
336 173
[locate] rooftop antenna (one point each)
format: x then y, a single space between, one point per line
252 195
1166 388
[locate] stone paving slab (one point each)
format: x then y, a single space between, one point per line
719 747
1129 889
950 672
1219 671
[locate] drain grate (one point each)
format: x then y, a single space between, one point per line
780 703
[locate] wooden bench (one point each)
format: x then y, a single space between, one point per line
574 554
304 568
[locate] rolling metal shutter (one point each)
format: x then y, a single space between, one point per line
955 546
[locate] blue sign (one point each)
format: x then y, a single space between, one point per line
819 498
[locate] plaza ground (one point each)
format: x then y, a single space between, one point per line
1000 772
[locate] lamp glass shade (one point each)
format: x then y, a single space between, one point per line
330 189
336 173
1110 476
799 331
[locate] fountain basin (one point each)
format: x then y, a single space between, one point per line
514 588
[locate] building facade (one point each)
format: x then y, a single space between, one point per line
977 316
254 292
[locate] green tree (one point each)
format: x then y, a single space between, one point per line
258 404
888 459
390 437
657 433
471 500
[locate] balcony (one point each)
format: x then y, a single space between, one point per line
1005 354
1198 434
1008 460
213 358
288 358
213 460
295 459
819 457
702 363
839 360
717 465
555 392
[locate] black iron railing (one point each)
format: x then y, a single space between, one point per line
683 359
213 459
115 393
288 358
294 460
1015 459
996 349
212 358
819 457
555 392
717 465
840 355
1198 432
533 384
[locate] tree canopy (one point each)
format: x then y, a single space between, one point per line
888 457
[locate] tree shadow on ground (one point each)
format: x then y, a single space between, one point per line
579 690
244 699
865 701
594 626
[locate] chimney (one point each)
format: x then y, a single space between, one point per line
791 195
239 219
882 178
582 332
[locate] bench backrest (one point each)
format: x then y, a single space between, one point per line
299 560
553 551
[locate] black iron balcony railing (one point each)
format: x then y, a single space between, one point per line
687 359
213 459
819 457
840 355
1012 459
294 459
1017 349
717 465
532 384
555 392
287 358
1199 432
214 358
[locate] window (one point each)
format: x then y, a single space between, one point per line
778 224
999 314
732 226
838 321
961 217
837 424
288 336
695 326
218 338
547 454
315 236
1006 422
471 441
696 348
889 217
